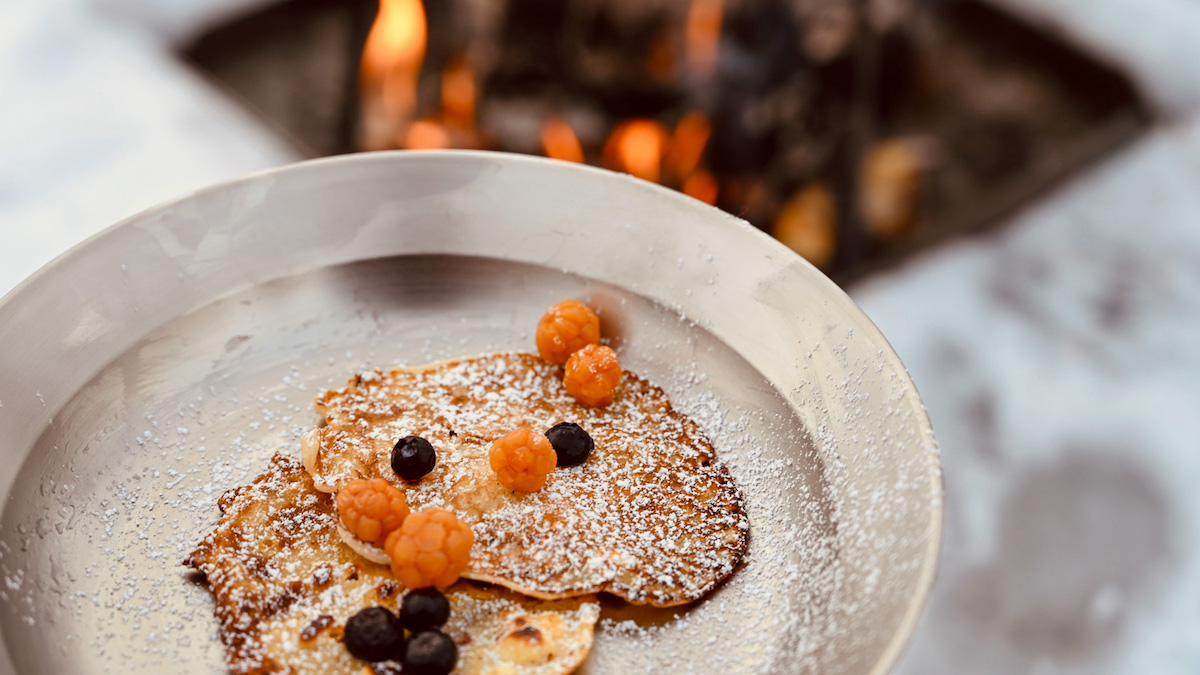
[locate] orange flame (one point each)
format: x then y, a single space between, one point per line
458 94
560 142
701 185
391 64
687 144
426 135
636 146
702 34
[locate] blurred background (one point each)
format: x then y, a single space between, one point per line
1010 189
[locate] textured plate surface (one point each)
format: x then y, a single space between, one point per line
163 361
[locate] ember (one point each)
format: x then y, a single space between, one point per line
636 147
560 142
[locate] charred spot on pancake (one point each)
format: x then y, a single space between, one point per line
530 633
323 575
227 498
313 628
386 590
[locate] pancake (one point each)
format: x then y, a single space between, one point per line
285 585
651 516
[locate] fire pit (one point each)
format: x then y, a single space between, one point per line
856 137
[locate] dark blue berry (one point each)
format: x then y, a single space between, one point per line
374 634
430 653
413 457
571 443
423 609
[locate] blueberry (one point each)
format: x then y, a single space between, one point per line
374 634
430 653
413 457
423 609
571 443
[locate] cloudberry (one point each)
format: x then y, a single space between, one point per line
568 327
432 548
372 509
592 375
522 460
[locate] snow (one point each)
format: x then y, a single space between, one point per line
101 121
1059 366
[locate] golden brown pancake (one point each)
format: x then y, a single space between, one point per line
285 585
650 516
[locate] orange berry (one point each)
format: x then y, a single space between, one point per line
522 460
592 375
432 548
372 509
568 327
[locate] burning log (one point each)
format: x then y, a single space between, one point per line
890 187
807 223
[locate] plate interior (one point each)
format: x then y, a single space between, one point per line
125 481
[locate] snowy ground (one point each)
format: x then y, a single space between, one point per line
1057 355
1058 361
98 121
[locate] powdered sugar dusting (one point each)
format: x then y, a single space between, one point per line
109 502
651 515
286 585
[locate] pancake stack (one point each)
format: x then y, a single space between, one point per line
651 517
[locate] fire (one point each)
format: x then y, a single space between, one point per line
889 181
458 95
637 147
807 223
647 150
426 135
702 34
560 142
389 76
701 185
687 144
390 67
661 61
